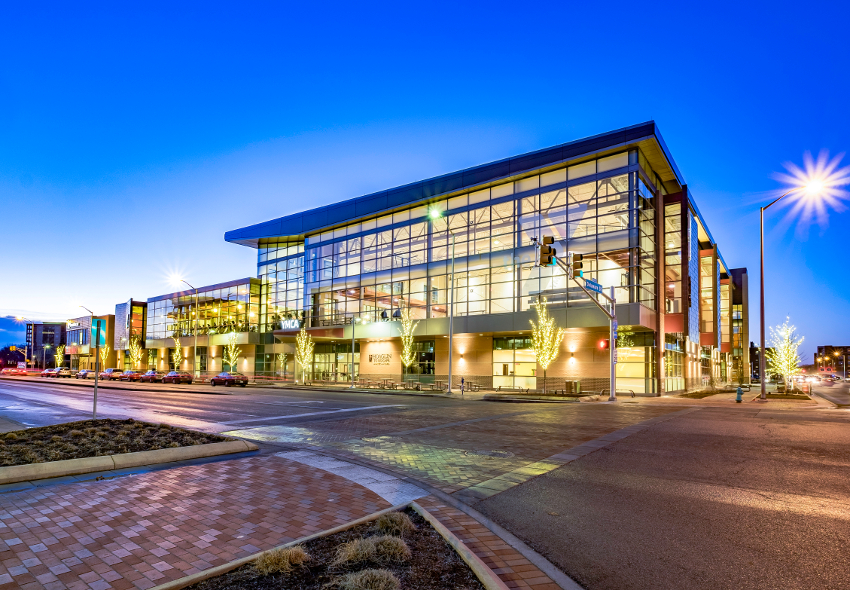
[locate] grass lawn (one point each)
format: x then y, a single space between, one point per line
94 438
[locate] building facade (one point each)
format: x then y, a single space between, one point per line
463 244
830 359
42 340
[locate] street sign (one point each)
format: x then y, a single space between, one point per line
94 325
592 285
615 325
22 365
615 356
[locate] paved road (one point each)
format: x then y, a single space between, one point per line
717 498
626 495
837 393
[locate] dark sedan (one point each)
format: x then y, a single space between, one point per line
130 376
228 379
177 377
152 376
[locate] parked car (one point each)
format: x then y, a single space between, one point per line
46 372
61 372
109 374
130 376
85 374
152 376
228 379
177 377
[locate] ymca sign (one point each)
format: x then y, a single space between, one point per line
290 325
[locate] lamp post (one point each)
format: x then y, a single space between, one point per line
44 356
96 358
354 321
197 313
435 214
813 187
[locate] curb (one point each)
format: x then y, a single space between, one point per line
488 578
36 471
232 565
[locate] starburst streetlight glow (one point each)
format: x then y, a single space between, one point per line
818 186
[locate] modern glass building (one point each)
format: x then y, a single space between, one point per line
617 198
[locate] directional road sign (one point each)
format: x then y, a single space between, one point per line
592 285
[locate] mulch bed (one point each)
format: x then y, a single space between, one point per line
799 396
434 565
94 438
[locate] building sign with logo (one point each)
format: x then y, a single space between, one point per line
290 324
381 359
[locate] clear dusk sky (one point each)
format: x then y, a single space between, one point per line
133 137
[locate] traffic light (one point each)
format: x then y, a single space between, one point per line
547 252
603 344
576 265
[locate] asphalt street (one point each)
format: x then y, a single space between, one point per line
719 498
837 393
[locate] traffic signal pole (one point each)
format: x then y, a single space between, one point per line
612 323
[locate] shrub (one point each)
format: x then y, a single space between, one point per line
11 436
77 433
389 549
354 551
174 445
281 560
383 549
395 523
56 438
368 580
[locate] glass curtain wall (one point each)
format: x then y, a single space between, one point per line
281 270
706 294
673 254
374 269
229 309
724 297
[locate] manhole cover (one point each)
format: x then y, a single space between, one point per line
494 454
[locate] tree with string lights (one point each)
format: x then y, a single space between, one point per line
408 355
303 351
135 352
783 358
177 356
232 352
546 338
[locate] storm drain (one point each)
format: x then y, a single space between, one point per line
493 454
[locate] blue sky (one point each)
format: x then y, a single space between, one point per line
131 140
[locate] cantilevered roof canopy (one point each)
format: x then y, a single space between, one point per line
296 226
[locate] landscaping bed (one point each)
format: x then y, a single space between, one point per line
698 394
800 396
378 555
94 438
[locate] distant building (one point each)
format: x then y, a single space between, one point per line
42 340
832 359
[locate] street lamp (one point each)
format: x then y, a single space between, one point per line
436 214
197 314
44 356
96 358
812 188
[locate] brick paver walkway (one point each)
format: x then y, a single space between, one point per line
140 531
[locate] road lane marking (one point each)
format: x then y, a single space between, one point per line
288 416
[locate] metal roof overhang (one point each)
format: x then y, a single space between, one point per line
296 226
